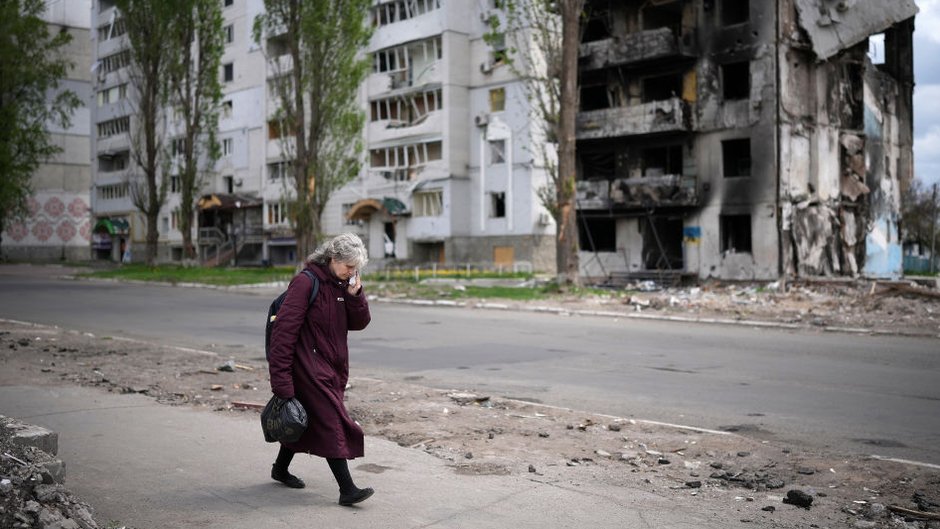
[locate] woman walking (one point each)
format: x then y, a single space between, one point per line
309 360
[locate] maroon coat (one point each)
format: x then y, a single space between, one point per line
310 360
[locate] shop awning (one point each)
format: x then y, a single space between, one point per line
364 208
225 202
111 226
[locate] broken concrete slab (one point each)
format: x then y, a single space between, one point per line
22 434
834 25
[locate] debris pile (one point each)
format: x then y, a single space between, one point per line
31 492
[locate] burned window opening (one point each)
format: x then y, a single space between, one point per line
598 165
853 96
661 88
662 243
736 80
660 161
734 12
597 26
594 98
497 205
736 158
735 233
597 234
663 16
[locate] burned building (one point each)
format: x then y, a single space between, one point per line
740 139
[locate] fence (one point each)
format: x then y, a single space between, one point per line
915 264
420 271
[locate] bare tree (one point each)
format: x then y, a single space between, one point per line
196 43
316 80
146 23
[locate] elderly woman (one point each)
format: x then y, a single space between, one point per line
309 360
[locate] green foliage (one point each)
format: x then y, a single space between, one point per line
31 66
209 276
316 97
919 208
194 56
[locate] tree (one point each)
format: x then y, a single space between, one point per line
31 66
919 208
196 44
147 23
545 37
315 84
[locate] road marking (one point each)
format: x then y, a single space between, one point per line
906 462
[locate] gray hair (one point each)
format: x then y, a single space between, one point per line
345 248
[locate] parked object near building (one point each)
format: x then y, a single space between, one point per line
58 224
739 139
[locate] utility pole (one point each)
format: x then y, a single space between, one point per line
933 231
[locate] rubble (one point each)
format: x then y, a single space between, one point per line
31 489
489 434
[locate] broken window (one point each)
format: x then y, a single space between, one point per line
109 163
400 163
175 184
735 233
659 161
497 100
229 33
112 95
736 80
597 26
227 107
228 182
497 151
278 170
114 61
597 165
277 212
662 87
663 16
736 157
408 110
597 234
497 205
113 127
594 98
399 10
228 72
429 203
278 46
734 12
662 243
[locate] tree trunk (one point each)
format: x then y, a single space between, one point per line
567 243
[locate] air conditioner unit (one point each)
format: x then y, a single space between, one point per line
486 66
544 219
482 120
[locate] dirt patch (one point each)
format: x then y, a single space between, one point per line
733 475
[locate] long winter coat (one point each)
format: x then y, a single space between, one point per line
310 360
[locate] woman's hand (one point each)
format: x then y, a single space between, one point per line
355 284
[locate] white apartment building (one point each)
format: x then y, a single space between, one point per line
448 173
450 176
58 223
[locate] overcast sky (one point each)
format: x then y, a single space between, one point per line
927 91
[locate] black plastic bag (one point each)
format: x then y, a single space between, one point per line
283 420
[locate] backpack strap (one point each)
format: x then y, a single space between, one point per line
316 286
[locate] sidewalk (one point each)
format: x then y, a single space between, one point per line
146 465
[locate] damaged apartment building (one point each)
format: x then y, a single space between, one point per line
449 174
744 139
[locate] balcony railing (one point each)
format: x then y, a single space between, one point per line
631 48
633 193
671 115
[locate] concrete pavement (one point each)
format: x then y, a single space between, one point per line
147 465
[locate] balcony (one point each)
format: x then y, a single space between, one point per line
630 49
633 193
394 130
671 115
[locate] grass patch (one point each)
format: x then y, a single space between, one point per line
208 276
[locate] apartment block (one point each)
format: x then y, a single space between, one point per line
58 223
738 139
449 175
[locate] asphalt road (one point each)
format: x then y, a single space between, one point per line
847 393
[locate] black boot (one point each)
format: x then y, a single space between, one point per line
279 470
349 493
